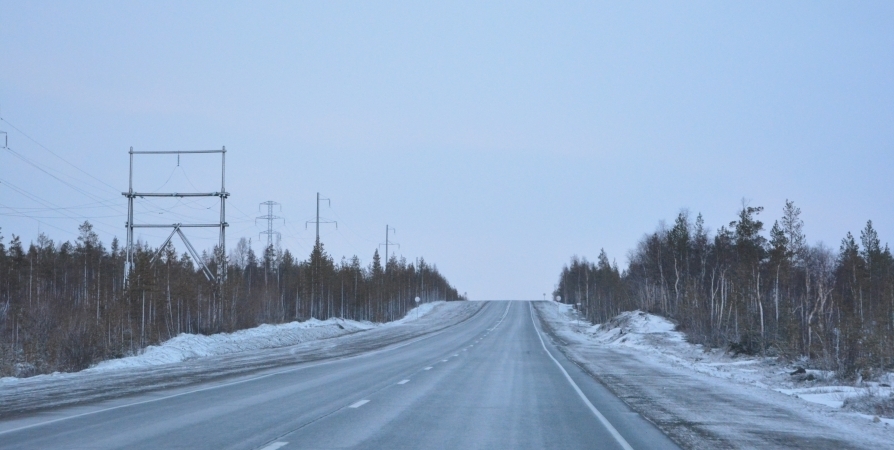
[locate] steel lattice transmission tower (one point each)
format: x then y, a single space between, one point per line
222 194
270 218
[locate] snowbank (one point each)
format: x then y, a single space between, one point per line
707 399
417 312
191 346
188 360
652 335
634 329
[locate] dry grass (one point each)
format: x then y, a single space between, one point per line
871 403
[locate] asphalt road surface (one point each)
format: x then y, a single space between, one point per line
493 381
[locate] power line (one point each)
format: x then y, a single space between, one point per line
38 167
84 206
22 214
48 224
349 228
244 214
296 235
100 203
50 205
114 189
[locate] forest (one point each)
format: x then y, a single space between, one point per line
773 295
65 306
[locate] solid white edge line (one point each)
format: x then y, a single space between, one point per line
427 368
359 403
403 381
275 445
611 429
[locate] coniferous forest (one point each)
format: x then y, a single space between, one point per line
65 306
753 290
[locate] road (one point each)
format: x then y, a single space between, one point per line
493 381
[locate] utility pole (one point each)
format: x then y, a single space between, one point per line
270 218
316 269
223 194
387 244
318 222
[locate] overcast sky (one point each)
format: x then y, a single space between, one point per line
499 139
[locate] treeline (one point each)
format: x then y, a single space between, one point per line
774 295
64 306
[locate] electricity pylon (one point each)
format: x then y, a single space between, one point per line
270 218
223 194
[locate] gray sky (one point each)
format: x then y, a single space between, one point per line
498 139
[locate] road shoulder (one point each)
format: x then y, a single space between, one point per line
702 412
31 395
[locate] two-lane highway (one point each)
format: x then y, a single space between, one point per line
492 381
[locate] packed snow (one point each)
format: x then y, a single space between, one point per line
638 346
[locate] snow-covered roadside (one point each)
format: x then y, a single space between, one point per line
656 336
191 346
652 367
21 396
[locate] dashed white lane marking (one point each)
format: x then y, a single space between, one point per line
403 381
443 360
608 426
359 404
456 354
275 445
427 368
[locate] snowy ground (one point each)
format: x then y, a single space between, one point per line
189 346
188 359
709 399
